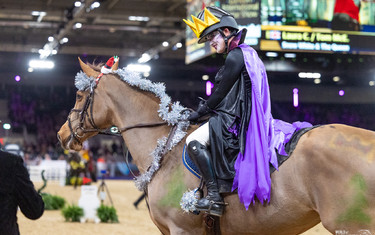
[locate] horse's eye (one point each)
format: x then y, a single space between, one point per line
79 97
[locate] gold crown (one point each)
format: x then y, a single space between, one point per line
198 26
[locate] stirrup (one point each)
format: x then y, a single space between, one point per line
214 211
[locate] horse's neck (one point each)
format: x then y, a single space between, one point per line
139 108
141 143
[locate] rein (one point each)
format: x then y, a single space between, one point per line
83 114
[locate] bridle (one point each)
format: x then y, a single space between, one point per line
86 118
87 113
80 131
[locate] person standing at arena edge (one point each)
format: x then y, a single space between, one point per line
16 190
234 148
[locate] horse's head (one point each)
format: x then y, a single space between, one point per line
87 117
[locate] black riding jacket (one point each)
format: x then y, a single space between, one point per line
231 102
16 190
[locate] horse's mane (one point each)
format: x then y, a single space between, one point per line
96 66
172 113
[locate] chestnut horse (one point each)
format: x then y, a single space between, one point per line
330 176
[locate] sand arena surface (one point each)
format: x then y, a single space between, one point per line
123 193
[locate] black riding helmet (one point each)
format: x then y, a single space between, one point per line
226 21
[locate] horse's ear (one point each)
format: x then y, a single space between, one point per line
115 66
87 69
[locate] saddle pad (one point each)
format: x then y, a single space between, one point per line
189 164
289 147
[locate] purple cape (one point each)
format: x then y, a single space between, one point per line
264 136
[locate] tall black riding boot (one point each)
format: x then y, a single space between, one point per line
213 203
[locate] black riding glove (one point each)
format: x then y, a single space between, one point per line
202 110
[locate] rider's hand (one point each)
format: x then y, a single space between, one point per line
202 110
193 116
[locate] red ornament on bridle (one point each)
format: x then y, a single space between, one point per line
107 68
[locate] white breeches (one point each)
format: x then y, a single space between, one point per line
202 135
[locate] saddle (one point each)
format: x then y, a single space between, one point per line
225 186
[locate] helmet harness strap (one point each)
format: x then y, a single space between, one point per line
226 38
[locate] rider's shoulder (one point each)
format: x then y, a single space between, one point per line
235 56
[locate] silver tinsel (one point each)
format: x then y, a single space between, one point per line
83 82
172 113
189 200
173 116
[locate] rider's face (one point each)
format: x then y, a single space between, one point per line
216 41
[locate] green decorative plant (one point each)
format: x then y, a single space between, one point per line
72 213
52 202
107 214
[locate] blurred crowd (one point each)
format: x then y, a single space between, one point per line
358 115
40 112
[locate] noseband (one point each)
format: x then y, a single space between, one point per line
83 113
81 130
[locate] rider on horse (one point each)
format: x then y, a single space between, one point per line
234 148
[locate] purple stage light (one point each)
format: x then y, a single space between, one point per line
341 92
209 86
295 97
17 78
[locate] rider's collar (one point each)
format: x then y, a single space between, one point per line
238 39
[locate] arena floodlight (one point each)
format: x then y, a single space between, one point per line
316 75
95 5
336 78
271 54
41 64
309 75
77 25
139 18
290 55
144 58
64 40
142 68
317 81
6 126
77 4
165 44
